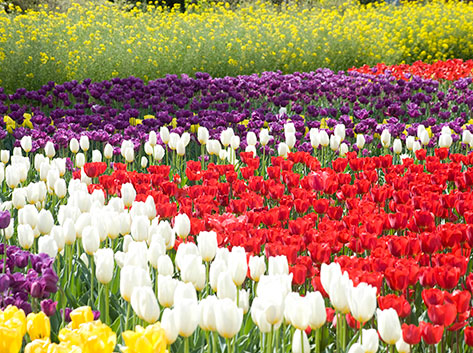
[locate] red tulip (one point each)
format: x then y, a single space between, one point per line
431 334
443 314
468 333
411 334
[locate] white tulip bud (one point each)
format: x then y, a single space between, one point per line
108 151
74 145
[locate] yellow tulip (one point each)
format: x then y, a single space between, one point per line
12 329
91 337
38 326
81 315
38 346
149 340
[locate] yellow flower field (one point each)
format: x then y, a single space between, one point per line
103 41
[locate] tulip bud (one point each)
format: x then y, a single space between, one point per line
251 138
25 236
237 265
128 194
108 151
340 131
96 156
182 225
335 142
316 304
356 348
226 287
152 138
386 138
164 134
323 138
226 136
278 265
264 137
180 148
60 188
145 305
90 240
207 243
416 146
186 316
445 140
290 140
80 160
57 233
26 143
69 231
47 245
202 135
235 142
216 268
283 149
139 228
12 177
19 198
370 340
360 141
169 326
148 149
174 138
129 155
5 156
84 143
228 317
132 277
38 326
45 221
74 145
300 342
165 266
257 267
166 288
49 149
389 327
207 308
401 346
397 146
158 152
343 150
424 137
467 137
252 149
104 265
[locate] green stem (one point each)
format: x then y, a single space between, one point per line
92 274
302 341
229 346
107 304
318 336
214 342
186 345
128 306
269 347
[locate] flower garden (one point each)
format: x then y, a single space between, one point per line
312 211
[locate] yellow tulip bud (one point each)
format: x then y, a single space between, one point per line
38 346
149 340
38 326
81 315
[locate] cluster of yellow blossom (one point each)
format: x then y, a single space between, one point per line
103 41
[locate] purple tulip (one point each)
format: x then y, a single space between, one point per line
4 219
48 306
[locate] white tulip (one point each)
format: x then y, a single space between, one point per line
26 143
300 342
186 316
283 149
152 138
386 138
84 143
169 326
370 340
257 267
49 149
145 304
45 221
108 151
278 265
389 326
128 194
397 146
74 145
323 138
132 277
207 244
90 240
228 318
164 134
264 137
202 135
166 288
25 236
5 156
317 309
47 245
182 225
158 152
104 261
165 265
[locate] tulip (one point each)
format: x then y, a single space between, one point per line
38 326
237 265
339 292
169 326
386 138
45 221
343 150
370 341
156 249
131 277
158 152
290 140
277 265
84 143
314 138
389 326
362 302
49 150
182 225
4 219
202 135
397 146
226 287
216 268
318 313
165 265
12 177
5 156
257 267
467 137
207 309
47 245
74 145
356 348
402 347
139 228
180 148
80 160
25 236
60 188
235 142
137 255
108 151
145 304
424 137
300 342
297 311
252 149
90 240
192 269
166 289
186 316
323 138
226 136
228 318
335 142
104 265
445 141
57 233
207 244
264 137
164 134
26 143
283 149
251 138
128 194
69 231
340 131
